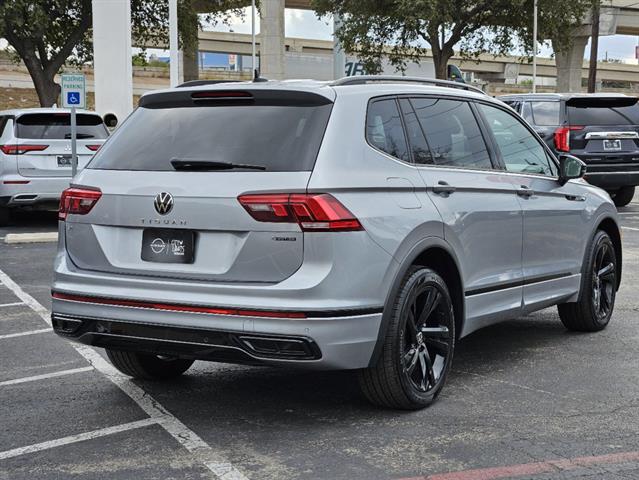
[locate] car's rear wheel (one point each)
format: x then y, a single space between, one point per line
623 196
593 310
148 366
418 346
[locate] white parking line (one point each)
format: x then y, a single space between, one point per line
22 334
219 466
13 304
631 228
44 376
76 438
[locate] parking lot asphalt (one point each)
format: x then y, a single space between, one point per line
526 400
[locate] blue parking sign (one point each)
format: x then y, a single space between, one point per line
73 98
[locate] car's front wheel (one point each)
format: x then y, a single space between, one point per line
418 346
593 310
148 366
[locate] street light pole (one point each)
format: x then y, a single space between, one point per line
253 64
534 82
174 58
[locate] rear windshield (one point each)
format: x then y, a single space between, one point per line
602 112
57 126
277 137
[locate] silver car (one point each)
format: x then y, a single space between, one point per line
363 224
35 155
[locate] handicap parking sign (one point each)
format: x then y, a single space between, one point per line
73 90
73 98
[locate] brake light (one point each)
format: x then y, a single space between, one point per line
77 201
223 94
562 137
20 149
319 212
93 148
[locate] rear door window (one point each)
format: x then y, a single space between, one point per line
384 129
277 137
57 126
602 112
416 140
452 132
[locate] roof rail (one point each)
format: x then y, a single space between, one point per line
364 79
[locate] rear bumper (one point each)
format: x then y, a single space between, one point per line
341 342
39 191
613 180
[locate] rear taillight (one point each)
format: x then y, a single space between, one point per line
319 212
562 138
93 148
77 201
20 149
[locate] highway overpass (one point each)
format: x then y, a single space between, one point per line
617 17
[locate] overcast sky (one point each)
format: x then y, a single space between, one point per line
305 24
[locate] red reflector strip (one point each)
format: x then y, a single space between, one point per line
16 182
93 148
177 308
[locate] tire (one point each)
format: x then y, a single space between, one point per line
5 216
592 312
405 377
623 196
148 366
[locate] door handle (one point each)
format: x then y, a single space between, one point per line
524 191
575 198
443 187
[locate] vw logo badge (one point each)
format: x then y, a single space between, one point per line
163 203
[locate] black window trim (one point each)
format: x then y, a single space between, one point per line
489 148
520 119
381 98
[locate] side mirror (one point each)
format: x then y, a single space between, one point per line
110 120
570 167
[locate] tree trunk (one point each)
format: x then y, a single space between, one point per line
189 29
190 62
440 59
44 82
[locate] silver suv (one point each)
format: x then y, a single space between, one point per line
362 224
35 155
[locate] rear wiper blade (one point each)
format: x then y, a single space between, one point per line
204 165
79 135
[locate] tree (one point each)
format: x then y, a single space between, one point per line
46 34
402 30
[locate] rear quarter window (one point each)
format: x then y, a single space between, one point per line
57 126
545 114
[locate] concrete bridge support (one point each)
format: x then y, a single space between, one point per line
569 65
272 39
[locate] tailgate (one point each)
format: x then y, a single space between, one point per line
228 244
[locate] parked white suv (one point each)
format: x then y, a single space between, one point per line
35 155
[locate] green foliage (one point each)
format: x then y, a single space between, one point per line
46 34
402 30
